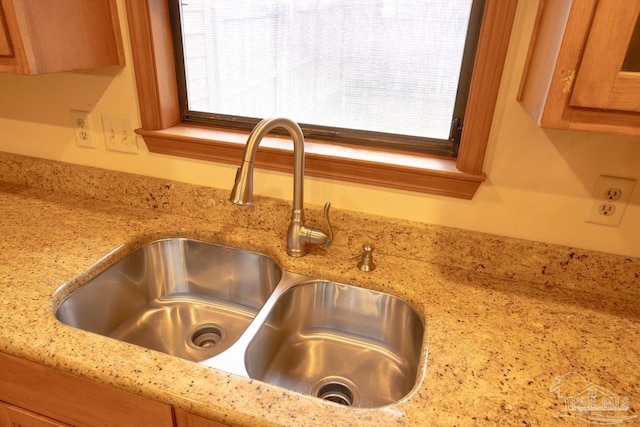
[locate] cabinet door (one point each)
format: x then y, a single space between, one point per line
75 400
185 419
9 61
13 416
609 74
6 49
561 83
47 36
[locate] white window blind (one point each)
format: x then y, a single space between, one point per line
388 66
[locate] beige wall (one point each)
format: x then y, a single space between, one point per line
538 187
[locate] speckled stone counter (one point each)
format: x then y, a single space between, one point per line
506 319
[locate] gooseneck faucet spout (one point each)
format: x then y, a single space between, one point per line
299 235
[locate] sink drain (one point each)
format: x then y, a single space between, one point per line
206 336
337 390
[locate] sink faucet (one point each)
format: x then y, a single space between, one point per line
299 235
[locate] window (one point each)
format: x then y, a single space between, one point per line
165 131
375 72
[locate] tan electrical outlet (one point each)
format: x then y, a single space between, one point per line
609 200
82 129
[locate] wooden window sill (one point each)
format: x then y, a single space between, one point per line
364 165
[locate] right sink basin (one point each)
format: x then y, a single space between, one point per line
341 343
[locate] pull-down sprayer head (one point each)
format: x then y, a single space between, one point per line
242 192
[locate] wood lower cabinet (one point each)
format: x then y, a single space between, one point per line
73 400
13 416
46 36
185 419
33 395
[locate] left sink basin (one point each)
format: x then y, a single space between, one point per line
180 296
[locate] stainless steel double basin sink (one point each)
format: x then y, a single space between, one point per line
239 312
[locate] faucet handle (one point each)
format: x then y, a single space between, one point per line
329 240
304 234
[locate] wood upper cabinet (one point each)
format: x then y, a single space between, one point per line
583 67
6 49
46 36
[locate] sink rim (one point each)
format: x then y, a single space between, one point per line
121 251
287 281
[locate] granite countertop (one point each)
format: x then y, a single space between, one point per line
507 320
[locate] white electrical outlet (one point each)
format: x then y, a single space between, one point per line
609 200
82 129
118 134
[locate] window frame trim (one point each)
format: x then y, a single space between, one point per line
163 132
429 145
